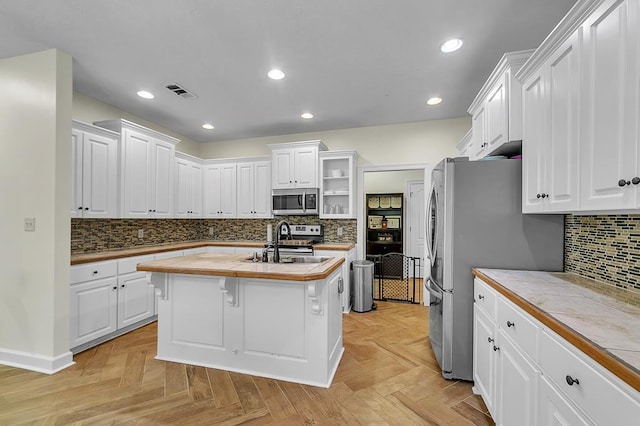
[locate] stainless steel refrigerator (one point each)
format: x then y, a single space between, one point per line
474 219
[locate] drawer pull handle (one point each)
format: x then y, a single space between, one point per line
489 339
511 324
495 348
571 380
480 296
95 272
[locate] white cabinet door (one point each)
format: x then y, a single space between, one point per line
561 153
533 144
516 386
196 190
479 144
138 170
135 299
162 178
283 171
497 115
306 167
94 177
228 190
183 188
554 408
246 190
262 192
212 182
92 310
484 362
609 120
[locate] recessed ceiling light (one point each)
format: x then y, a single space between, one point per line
145 94
207 126
434 101
306 115
275 74
451 45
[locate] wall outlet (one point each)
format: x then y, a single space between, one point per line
141 233
211 231
30 224
339 231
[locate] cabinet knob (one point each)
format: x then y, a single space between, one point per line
490 340
538 195
95 272
635 180
623 182
571 380
149 210
80 208
480 296
511 324
154 210
122 286
495 348
86 208
544 195
115 287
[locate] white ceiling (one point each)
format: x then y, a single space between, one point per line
352 63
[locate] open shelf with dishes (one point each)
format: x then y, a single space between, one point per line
337 184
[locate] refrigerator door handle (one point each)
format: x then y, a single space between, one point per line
428 227
435 293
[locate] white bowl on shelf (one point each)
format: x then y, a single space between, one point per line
336 173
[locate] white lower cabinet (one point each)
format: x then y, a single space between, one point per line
135 295
349 256
529 375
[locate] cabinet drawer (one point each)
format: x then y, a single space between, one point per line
600 395
128 265
93 271
519 327
485 297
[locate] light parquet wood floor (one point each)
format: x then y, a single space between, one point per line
388 375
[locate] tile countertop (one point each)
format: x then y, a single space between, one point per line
606 329
138 251
237 265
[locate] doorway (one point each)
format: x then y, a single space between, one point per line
408 181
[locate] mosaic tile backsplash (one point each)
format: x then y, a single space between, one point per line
93 235
607 249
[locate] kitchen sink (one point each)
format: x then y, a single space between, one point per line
299 259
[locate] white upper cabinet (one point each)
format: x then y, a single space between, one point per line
337 184
220 190
188 185
581 115
254 189
147 160
497 109
94 175
551 104
609 153
295 165
464 145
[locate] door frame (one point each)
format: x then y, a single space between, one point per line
360 207
410 222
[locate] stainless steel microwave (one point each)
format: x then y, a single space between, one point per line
295 201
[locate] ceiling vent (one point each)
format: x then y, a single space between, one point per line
181 91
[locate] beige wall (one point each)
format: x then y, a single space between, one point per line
409 143
89 110
35 145
396 181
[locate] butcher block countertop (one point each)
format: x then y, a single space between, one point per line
237 265
138 251
606 329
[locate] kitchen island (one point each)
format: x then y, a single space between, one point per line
277 320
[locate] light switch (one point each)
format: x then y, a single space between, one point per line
30 224
141 233
211 231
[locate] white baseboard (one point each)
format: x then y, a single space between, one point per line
35 362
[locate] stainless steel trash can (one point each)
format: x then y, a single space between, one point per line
362 281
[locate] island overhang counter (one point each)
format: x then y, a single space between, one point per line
282 321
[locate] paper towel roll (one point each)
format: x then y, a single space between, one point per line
269 233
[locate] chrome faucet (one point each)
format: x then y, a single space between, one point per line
276 250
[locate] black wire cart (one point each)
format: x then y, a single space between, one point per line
397 277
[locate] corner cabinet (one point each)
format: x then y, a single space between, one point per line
147 161
188 186
497 109
254 188
94 173
337 184
295 164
